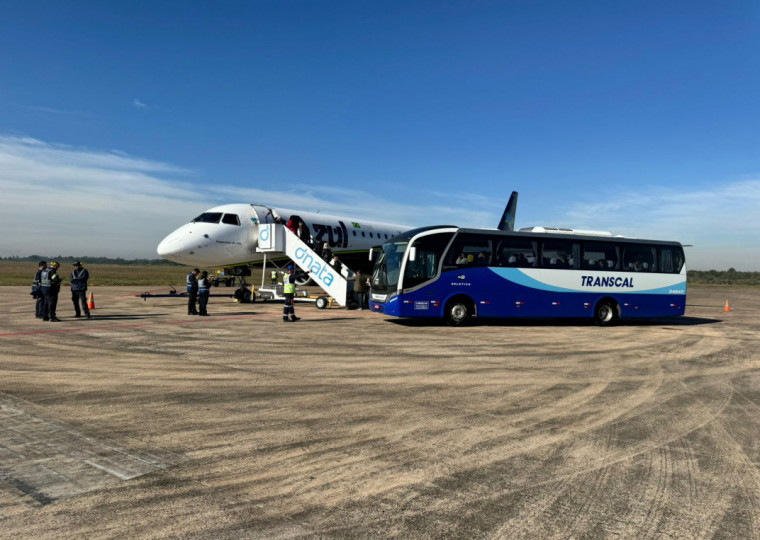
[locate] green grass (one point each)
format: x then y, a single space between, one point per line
22 273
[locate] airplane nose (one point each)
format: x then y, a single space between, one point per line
169 246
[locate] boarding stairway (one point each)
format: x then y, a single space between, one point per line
277 238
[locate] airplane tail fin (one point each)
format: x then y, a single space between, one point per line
507 222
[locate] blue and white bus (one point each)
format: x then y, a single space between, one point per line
455 273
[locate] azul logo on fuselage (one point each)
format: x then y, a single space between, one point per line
606 281
336 236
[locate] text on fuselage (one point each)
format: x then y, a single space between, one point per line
336 236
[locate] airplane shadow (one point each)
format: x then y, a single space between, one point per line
233 313
517 323
122 317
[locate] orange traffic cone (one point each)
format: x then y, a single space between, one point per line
91 302
727 308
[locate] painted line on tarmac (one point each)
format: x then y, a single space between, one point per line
137 325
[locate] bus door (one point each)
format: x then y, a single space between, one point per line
512 296
467 272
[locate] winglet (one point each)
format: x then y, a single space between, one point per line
507 222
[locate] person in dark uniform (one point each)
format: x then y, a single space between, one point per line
327 253
50 285
78 279
192 291
360 290
37 291
204 290
289 291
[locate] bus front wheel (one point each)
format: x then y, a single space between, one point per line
458 312
606 313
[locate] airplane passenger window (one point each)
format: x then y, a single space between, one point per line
208 217
354 232
231 219
362 234
370 235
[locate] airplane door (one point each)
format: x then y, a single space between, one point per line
260 214
263 214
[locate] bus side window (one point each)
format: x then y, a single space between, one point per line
670 260
601 256
468 250
639 259
516 252
557 253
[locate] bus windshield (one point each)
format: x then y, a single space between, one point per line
388 266
425 257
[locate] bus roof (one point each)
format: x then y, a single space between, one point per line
585 236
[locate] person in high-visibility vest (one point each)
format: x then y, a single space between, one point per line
204 291
50 285
273 275
289 291
192 291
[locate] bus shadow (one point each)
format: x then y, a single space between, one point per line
537 322
671 321
135 317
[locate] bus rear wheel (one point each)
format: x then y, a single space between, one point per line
606 313
458 312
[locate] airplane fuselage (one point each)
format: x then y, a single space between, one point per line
227 235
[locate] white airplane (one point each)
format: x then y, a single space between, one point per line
227 235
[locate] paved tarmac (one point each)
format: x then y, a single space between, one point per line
145 422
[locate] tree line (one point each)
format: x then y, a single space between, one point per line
723 277
64 259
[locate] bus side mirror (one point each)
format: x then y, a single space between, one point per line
371 253
413 253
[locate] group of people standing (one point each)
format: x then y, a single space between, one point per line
47 286
198 291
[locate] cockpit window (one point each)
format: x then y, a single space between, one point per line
208 217
231 219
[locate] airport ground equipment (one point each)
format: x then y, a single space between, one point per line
276 238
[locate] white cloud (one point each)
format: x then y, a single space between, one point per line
59 199
722 223
138 104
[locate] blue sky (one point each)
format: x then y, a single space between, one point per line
636 117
